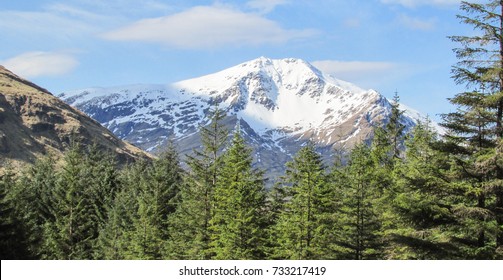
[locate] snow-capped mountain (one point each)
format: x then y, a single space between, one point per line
280 104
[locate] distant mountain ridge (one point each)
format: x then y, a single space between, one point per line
281 104
34 123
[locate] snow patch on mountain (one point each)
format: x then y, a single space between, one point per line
280 103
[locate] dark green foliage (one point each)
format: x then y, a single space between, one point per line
113 241
191 223
303 225
422 206
275 203
33 203
359 222
388 140
475 131
157 187
238 220
83 186
13 243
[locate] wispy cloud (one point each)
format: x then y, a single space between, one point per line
364 73
46 23
208 27
265 6
36 64
65 10
415 3
342 67
417 23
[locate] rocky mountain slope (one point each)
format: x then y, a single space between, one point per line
33 123
280 105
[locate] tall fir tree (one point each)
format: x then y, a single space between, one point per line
13 237
386 152
101 169
387 145
116 237
475 130
70 235
238 220
34 196
156 199
359 221
113 241
191 222
302 230
422 207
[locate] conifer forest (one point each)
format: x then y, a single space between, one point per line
417 195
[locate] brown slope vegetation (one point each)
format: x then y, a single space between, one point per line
34 123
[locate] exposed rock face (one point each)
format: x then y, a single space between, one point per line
280 104
33 123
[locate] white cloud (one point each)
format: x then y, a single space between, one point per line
73 12
415 3
36 64
265 6
417 23
348 67
57 25
369 74
207 27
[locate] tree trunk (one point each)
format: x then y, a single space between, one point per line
499 130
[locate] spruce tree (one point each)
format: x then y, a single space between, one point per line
386 153
359 221
238 220
275 204
103 185
156 201
34 197
387 145
423 205
13 239
116 237
113 241
190 236
475 130
71 234
302 229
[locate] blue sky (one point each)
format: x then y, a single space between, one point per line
386 45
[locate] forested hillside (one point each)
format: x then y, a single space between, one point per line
385 203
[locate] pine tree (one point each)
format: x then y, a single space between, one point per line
275 204
387 152
359 221
191 222
113 241
116 237
475 129
422 206
13 241
101 169
302 228
157 200
71 234
238 219
388 140
33 196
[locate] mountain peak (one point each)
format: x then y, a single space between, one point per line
280 104
285 65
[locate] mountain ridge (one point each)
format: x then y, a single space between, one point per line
282 103
34 123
